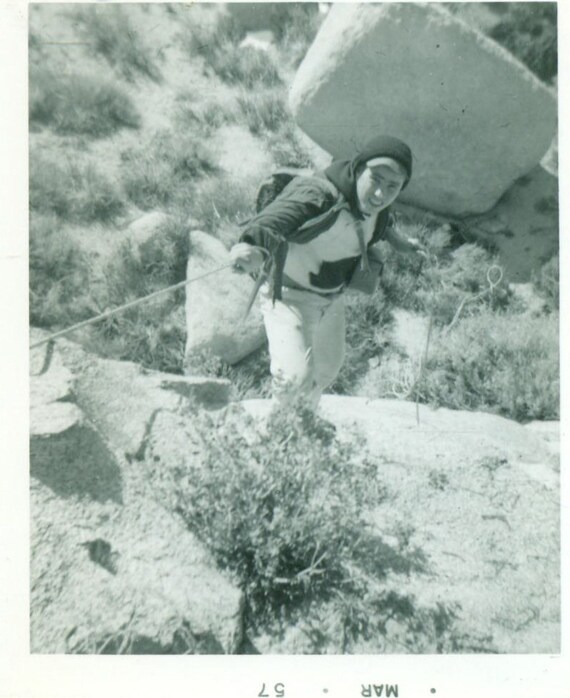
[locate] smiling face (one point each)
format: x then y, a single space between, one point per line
378 184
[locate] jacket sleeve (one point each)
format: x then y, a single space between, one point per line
301 200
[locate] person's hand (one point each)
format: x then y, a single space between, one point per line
246 257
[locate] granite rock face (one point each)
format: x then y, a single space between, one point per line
215 306
475 118
470 522
113 571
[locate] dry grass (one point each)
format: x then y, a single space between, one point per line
159 173
73 191
109 30
79 104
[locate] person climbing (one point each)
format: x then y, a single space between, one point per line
320 231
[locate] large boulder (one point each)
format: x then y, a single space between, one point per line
470 522
215 306
112 571
475 118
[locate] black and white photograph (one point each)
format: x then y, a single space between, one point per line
292 344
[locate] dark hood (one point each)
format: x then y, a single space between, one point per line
342 173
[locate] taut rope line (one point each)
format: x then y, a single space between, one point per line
126 306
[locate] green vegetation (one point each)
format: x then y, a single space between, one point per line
463 275
203 116
59 275
219 45
79 104
219 203
73 191
529 31
153 334
286 511
286 147
264 111
297 29
508 364
245 66
547 283
160 172
111 35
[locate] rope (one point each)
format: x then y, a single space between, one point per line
126 306
492 286
423 359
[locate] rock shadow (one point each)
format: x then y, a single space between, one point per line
378 558
76 462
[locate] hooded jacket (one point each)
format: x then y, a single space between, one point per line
310 205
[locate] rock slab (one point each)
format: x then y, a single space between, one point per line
112 571
471 514
475 118
215 306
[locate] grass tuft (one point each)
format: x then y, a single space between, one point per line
207 116
219 46
264 111
153 334
221 203
159 172
547 283
245 66
79 104
59 275
507 364
75 192
111 35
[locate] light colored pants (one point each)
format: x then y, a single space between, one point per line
306 335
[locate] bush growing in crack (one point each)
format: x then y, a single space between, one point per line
283 510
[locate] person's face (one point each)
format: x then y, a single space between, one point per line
379 185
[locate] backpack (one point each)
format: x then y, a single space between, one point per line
271 187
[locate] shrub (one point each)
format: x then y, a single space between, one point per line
79 104
246 66
159 173
283 512
59 275
285 508
547 282
152 334
75 192
529 31
207 116
109 31
218 44
207 39
297 30
250 377
466 276
508 364
264 111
